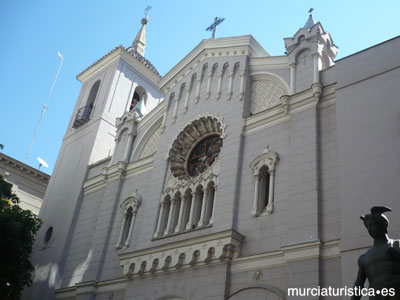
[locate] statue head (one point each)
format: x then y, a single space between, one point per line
376 222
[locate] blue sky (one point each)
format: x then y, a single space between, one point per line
32 32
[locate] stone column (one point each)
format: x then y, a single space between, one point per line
203 207
213 209
316 67
181 215
128 146
121 233
160 218
170 216
270 205
254 210
292 79
192 211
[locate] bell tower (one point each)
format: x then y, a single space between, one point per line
121 81
309 51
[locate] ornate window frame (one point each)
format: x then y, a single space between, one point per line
187 202
129 208
268 159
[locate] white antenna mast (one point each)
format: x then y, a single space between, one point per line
44 107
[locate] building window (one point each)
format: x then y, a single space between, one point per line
129 208
135 101
188 200
83 114
139 102
204 154
48 235
93 94
191 211
264 179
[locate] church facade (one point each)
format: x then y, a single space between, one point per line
237 175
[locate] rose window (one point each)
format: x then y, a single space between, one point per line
196 147
204 154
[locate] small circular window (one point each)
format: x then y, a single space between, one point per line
48 235
204 154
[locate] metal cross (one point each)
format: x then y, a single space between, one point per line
146 10
310 10
213 26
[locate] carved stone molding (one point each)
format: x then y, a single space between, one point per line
209 249
175 184
188 138
267 158
133 202
128 121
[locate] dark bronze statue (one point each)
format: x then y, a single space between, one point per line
381 263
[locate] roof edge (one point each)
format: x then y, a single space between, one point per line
24 167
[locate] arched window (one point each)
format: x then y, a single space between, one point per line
83 114
129 207
138 102
188 200
93 93
127 224
264 178
264 187
135 101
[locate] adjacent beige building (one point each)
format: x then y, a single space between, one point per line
236 175
29 184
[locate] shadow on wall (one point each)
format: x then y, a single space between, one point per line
81 269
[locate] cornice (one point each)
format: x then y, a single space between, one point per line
314 249
194 252
24 167
112 56
99 162
184 243
233 46
134 168
91 287
153 77
100 64
257 64
297 103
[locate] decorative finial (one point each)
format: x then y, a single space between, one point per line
213 26
266 149
310 22
139 43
